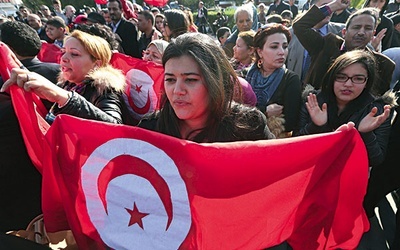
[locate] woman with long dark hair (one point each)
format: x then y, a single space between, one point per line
198 101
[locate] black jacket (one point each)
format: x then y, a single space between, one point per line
129 36
101 98
375 141
20 182
48 70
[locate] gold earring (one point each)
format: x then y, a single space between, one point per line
259 63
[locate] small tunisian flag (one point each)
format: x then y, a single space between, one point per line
49 52
144 84
131 188
28 108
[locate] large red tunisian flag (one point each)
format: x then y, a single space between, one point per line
144 84
132 188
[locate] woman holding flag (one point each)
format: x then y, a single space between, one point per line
88 88
198 101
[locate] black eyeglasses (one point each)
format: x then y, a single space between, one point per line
357 79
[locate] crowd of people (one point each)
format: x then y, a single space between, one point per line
279 72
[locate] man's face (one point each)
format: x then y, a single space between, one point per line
54 33
243 21
115 11
377 4
57 7
397 27
34 22
24 12
69 11
360 32
107 17
45 10
143 24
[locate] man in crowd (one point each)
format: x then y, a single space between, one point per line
58 10
202 16
125 29
24 41
36 23
56 30
106 15
293 8
70 14
277 7
244 20
45 11
298 59
21 182
145 24
24 11
359 30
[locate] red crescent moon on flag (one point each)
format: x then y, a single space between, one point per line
127 164
141 111
107 203
140 95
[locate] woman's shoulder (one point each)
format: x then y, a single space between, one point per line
107 78
149 121
291 76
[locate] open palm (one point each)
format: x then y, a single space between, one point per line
318 116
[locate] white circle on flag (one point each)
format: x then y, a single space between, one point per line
111 221
142 98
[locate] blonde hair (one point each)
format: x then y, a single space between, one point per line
97 47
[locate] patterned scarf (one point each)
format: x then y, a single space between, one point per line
264 87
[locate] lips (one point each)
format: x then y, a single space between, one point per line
180 103
359 39
65 69
346 92
281 60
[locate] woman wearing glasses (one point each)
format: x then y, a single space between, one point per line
346 97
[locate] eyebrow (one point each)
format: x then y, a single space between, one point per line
183 74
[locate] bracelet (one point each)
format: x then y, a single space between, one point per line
70 94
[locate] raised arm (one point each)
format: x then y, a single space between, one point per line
311 40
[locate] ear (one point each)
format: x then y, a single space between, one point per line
97 63
252 50
344 32
259 52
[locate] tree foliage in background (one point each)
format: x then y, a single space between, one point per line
78 4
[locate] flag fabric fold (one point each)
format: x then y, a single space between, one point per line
136 188
49 52
144 84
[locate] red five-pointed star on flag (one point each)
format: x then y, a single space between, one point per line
138 88
136 216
